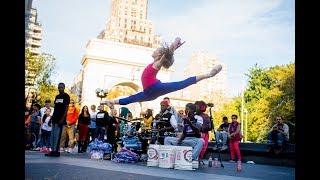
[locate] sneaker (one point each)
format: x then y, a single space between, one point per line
224 147
231 161
38 149
69 150
61 149
42 149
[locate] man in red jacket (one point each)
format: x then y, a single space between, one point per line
68 129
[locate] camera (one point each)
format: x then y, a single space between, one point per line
210 104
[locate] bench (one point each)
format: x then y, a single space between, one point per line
257 152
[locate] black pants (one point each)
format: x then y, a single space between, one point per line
92 134
111 139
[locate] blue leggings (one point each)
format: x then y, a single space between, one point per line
156 90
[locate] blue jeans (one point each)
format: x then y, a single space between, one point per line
92 134
55 137
195 143
156 90
276 138
35 129
223 136
45 138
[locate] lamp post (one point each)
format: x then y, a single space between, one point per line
101 93
246 125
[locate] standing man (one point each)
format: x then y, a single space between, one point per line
102 119
61 104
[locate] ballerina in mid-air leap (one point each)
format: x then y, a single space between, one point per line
152 87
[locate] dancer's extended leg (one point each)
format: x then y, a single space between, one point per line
160 89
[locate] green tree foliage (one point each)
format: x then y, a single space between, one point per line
270 93
38 68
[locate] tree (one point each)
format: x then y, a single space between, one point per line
270 93
38 71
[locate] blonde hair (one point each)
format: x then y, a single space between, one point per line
167 54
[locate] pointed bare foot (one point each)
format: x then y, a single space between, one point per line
215 70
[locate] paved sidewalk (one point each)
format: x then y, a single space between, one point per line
79 166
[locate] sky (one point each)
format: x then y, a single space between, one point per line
240 33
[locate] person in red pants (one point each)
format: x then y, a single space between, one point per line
234 138
201 107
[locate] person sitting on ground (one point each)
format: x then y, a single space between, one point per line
278 135
191 135
222 133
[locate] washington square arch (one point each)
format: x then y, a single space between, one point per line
116 58
116 67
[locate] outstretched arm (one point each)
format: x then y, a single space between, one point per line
175 45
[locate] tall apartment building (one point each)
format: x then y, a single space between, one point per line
128 23
33 29
210 89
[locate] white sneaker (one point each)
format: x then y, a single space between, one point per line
69 150
224 147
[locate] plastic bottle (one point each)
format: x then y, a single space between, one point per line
215 162
210 162
239 166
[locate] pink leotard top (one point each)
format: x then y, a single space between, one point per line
148 76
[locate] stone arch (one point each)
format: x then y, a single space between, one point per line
123 89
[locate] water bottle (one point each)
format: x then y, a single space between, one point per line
215 162
154 124
239 166
210 162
